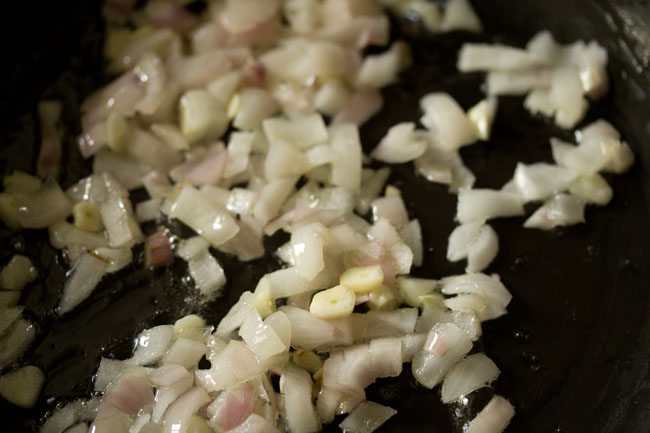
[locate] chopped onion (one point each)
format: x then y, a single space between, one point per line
16 341
44 207
254 105
119 221
185 352
392 209
593 189
585 159
484 204
151 345
233 365
271 198
448 123
560 210
475 241
17 273
239 149
157 250
482 115
170 390
448 345
603 135
309 332
488 287
359 107
467 376
567 97
22 387
206 169
539 181
179 413
366 418
346 168
401 144
378 324
300 414
69 414
9 299
494 418
236 315
483 57
517 82
201 116
125 169
86 274
307 243
8 316
459 15
194 209
262 338
382 69
109 371
232 407
255 424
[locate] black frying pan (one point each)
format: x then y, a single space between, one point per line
575 348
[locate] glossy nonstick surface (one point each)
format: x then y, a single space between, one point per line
575 348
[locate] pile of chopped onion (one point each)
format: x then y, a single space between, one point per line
243 121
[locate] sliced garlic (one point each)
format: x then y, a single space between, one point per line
363 279
334 303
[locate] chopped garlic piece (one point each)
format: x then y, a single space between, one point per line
334 303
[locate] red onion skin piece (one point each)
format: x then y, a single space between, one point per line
158 250
253 74
129 395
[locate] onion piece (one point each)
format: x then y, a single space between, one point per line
566 96
9 299
255 424
517 82
201 116
262 338
379 324
482 115
560 210
158 250
485 286
125 169
585 159
108 372
309 332
302 132
390 209
484 204
206 272
359 108
484 57
380 70
8 316
22 387
254 105
44 207
448 123
16 341
239 149
593 189
17 273
205 169
459 15
603 135
307 243
371 188
467 376
179 413
69 414
236 315
170 391
232 407
119 221
233 365
401 144
449 345
540 181
346 168
194 209
86 274
366 418
185 352
271 197
494 418
300 414
151 345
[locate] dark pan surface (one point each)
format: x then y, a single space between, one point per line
575 348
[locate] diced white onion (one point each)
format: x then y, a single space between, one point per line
151 345
367 417
467 376
17 273
447 122
459 15
560 210
16 341
85 275
22 387
494 418
484 204
430 367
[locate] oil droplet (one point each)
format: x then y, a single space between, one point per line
532 360
522 336
559 429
